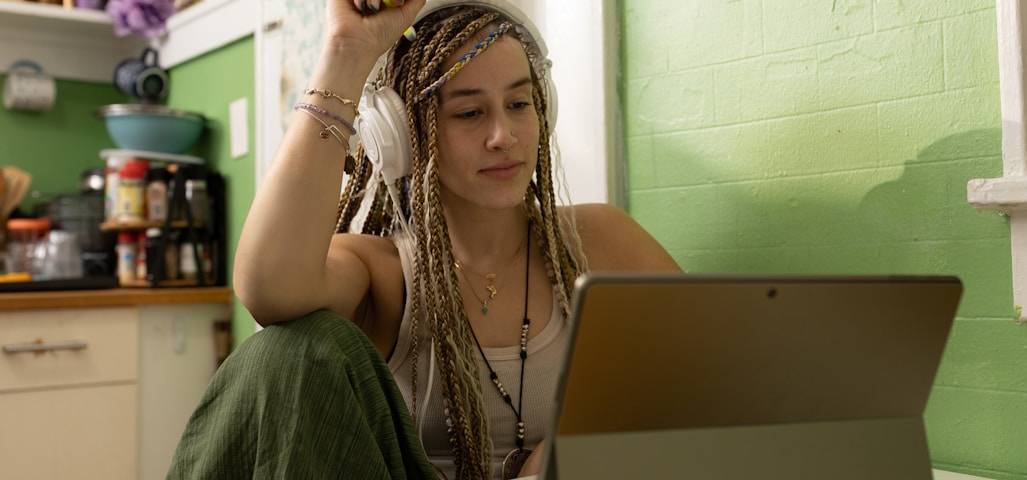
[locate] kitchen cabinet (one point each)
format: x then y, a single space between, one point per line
103 392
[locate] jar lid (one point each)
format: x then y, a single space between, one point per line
134 169
41 225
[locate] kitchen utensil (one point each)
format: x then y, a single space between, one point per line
152 128
27 88
142 78
17 183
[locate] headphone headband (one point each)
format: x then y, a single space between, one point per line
382 125
520 20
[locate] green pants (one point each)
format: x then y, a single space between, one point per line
306 399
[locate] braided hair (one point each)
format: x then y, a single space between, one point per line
413 67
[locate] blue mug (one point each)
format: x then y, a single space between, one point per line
142 78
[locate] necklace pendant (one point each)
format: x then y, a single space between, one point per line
484 309
492 291
514 461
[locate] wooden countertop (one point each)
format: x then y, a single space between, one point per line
112 297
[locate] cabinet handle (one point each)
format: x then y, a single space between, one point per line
44 347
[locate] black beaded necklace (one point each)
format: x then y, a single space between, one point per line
515 459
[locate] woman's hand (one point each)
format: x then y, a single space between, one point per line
368 24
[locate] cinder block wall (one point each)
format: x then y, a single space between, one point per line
805 136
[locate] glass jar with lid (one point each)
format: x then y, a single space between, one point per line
25 235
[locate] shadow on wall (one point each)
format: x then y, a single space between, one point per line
922 215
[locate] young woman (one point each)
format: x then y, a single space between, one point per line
461 277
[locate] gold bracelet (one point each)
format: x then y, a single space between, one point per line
329 94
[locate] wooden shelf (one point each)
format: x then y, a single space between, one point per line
162 284
69 43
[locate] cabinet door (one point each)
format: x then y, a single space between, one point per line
81 433
76 347
176 358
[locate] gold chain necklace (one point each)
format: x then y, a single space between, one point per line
490 278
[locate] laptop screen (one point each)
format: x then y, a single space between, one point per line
666 353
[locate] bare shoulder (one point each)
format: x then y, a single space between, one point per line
613 241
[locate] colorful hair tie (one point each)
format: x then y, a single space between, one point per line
480 47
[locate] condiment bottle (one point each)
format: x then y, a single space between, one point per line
126 250
153 260
157 194
187 261
131 180
110 204
141 256
196 197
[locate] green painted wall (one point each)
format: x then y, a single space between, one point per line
803 136
58 145
209 84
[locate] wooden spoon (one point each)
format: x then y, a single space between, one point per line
17 184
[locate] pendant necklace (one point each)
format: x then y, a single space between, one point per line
514 461
490 279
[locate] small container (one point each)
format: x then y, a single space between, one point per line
157 194
59 256
196 197
110 204
126 250
141 269
131 183
25 237
152 257
187 261
171 257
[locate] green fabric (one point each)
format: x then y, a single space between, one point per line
306 399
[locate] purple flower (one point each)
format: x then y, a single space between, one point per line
140 17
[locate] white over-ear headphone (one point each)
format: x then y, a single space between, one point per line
382 124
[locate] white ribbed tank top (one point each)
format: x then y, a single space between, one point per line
546 352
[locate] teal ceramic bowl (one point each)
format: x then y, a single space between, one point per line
152 128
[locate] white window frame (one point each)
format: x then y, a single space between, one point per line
1008 194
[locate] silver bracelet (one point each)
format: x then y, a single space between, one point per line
328 129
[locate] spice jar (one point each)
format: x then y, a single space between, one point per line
126 250
113 172
157 194
26 235
131 179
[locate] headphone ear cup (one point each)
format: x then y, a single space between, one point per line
385 132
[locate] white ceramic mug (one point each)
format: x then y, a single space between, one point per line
28 88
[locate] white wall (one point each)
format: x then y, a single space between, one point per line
584 71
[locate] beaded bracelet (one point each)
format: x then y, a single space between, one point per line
329 129
326 93
315 108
